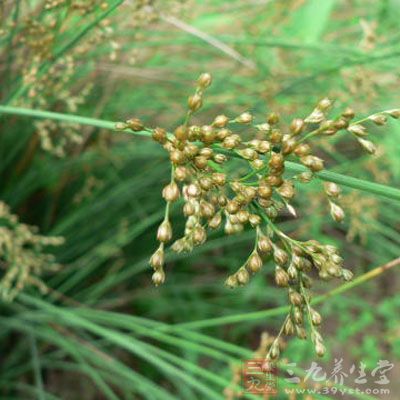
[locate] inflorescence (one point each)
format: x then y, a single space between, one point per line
205 173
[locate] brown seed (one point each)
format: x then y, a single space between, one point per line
195 102
159 135
135 124
223 134
297 126
220 121
204 80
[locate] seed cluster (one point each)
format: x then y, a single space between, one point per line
217 193
22 255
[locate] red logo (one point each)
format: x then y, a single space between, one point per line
259 380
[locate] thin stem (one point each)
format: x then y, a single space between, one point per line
355 183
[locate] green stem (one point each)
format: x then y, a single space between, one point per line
355 183
238 318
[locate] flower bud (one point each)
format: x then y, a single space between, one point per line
171 192
289 327
244 118
337 212
220 121
193 190
181 133
220 158
199 235
157 259
347 274
215 221
394 113
358 130
158 277
254 220
325 104
314 163
120 126
254 263
135 124
378 119
159 135
195 102
281 277
164 233
232 281
243 276
274 350
316 318
280 256
273 118
295 298
332 189
180 173
204 80
367 145
297 126
303 149
320 348
264 244
348 113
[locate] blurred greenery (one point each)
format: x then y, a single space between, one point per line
102 331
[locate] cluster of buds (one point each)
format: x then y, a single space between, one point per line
214 193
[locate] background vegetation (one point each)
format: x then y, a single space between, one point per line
100 329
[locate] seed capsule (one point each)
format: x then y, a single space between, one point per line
295 298
367 145
394 113
347 274
232 207
158 277
316 318
273 118
325 104
193 190
180 173
232 281
189 209
320 349
358 130
280 256
204 80
157 259
135 124
220 158
164 233
254 263
215 222
220 121
378 119
314 163
177 157
348 113
337 212
264 244
195 102
243 276
289 327
199 235
332 189
171 192
274 351
297 126
302 150
219 178
281 277
244 118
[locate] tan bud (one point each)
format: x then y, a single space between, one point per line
281 277
207 134
264 147
332 189
232 281
264 244
195 102
347 274
297 126
220 121
171 192
348 113
378 119
337 212
193 190
295 298
120 126
157 259
367 145
189 209
320 349
394 113
201 162
314 163
358 130
180 173
280 256
219 178
177 157
273 118
289 327
158 277
199 235
302 150
232 207
220 158
316 318
207 210
204 80
135 124
288 145
254 220
181 133
254 263
244 118
248 154
159 135
242 276
265 191
223 134
274 350
325 104
215 221
164 233
276 136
